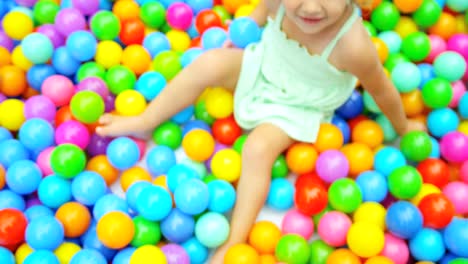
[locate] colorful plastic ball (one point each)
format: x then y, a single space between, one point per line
243 31
442 121
368 132
132 175
197 252
69 20
86 7
10 199
178 227
168 134
154 203
207 19
226 130
82 45
310 197
6 256
373 186
156 43
63 62
416 46
37 48
343 256
75 219
142 254
38 239
90 256
67 160
406 77
437 93
404 182
360 157
438 46
392 40
146 232
41 256
301 158
213 38
427 14
175 254
123 256
59 89
319 251
12 150
152 14
365 240
455 236
119 78
222 196
226 165
333 227
395 249
179 16
372 213
23 251
445 26
294 222
87 187
36 134
54 191
453 146
344 195
454 260
385 16
167 63
37 74
23 177
332 165
150 84
458 43
12 114
123 153
192 197
437 210
329 137
241 253
90 240
457 192
160 159
281 194
130 103
434 171
94 84
416 140
212 229
105 25
405 26
109 203
450 60
115 230
458 89
50 30
17 25
132 32
403 219
264 237
198 144
72 132
292 248
13 225
101 165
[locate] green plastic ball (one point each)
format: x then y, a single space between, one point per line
344 195
168 134
146 232
105 25
416 46
450 65
167 63
437 93
319 252
153 14
427 14
90 69
404 182
222 13
239 143
209 178
280 168
87 106
292 249
44 11
120 78
165 27
370 104
459 261
202 114
389 131
385 16
394 59
370 28
67 160
416 146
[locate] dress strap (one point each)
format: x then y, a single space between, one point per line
347 25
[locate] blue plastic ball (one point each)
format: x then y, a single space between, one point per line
406 77
178 227
87 187
179 173
6 257
442 121
403 219
88 256
192 196
41 257
90 240
427 73
154 203
463 106
435 150
388 159
244 31
123 256
38 73
373 186
23 177
5 134
155 43
54 191
133 192
37 48
64 63
352 107
343 126
184 115
150 84
9 199
160 159
427 245
82 45
213 38
456 237
123 153
44 233
37 211
11 150
281 195
199 5
222 196
195 124
192 30
37 134
189 56
197 252
109 203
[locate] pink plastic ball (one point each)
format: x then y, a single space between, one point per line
179 16
332 165
333 228
141 146
41 107
72 132
458 89
454 146
295 222
59 89
43 161
457 193
464 172
438 46
395 249
459 43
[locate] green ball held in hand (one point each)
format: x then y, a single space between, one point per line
416 146
319 252
119 78
153 14
87 106
67 160
437 93
450 66
146 232
168 134
416 46
404 182
105 25
167 63
427 14
292 249
344 195
90 69
385 16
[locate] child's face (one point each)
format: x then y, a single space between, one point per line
313 16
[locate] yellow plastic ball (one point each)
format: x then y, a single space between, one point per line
219 102
371 212
405 26
17 25
365 240
226 165
463 127
22 253
161 181
425 190
12 114
178 39
132 175
244 10
198 144
108 53
267 259
379 260
66 251
148 254
203 95
241 254
130 103
18 59
149 30
462 27
136 58
5 57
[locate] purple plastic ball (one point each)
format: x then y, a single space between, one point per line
53 34
109 103
6 41
40 106
175 254
94 84
87 7
98 145
69 20
332 165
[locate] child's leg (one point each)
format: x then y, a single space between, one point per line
220 67
260 151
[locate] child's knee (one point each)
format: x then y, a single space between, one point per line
256 150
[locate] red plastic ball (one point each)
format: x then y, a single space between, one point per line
311 198
207 19
132 32
12 227
437 210
434 171
196 42
226 130
306 178
63 114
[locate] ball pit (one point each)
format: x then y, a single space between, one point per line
70 196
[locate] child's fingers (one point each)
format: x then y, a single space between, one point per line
105 119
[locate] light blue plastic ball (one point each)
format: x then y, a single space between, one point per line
109 203
87 187
64 63
222 196
160 159
41 257
183 116
23 177
192 196
12 150
123 257
197 252
37 48
5 134
82 45
406 77
427 245
388 159
373 186
6 257
244 31
37 211
456 237
10 199
199 5
392 40
37 134
213 38
281 194
442 121
88 256
178 227
427 73
44 233
54 191
150 84
90 240
403 219
133 192
450 65
179 173
155 43
189 56
38 73
154 203
123 153
212 229
435 150
463 106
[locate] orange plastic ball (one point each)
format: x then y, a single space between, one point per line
5 57
379 260
126 9
343 256
29 92
12 80
445 27
368 132
264 237
382 49
2 177
132 32
136 58
133 175
241 254
301 158
198 144
103 167
115 230
360 157
413 103
329 137
74 217
407 6
267 259
232 5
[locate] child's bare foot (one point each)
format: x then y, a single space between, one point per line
115 126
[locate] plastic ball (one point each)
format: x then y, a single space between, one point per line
219 103
457 192
434 171
167 63
319 251
406 77
453 146
329 137
365 240
373 186
59 89
416 46
226 130
301 158
136 58
458 89
123 256
212 229
105 25
150 84
168 134
332 165
12 150
54 191
82 45
12 114
226 165
6 256
23 251
333 227
175 254
372 213
192 197
72 132
281 194
213 37
343 256
41 256
133 175
101 165
427 14
405 26
455 235
154 203
310 197
74 217
119 78
89 256
146 232
404 182
69 20
178 227
368 132
38 239
198 144
360 157
450 60
142 254
179 16
109 203
442 121
36 134
344 195
445 26
241 253
88 187
123 153
207 19
67 160
385 16
23 177
13 225
403 219
243 31
17 25
115 230
37 48
264 237
437 93
294 222
130 103
437 210
416 140
222 196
